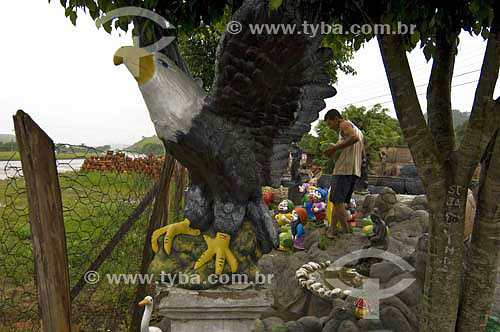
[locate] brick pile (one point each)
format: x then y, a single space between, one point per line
119 163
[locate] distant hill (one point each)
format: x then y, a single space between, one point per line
7 138
147 145
458 117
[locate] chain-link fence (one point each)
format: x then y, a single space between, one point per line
100 191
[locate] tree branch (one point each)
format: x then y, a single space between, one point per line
422 145
171 50
484 116
439 94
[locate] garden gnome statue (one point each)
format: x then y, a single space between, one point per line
318 207
284 215
307 202
299 220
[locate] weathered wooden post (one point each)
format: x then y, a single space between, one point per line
46 222
159 218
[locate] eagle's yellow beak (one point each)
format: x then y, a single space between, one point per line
139 62
143 303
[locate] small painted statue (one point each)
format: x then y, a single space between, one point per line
377 231
286 237
362 308
284 215
267 197
318 207
308 201
324 193
380 231
351 210
299 220
303 187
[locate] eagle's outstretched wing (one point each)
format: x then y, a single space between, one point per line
272 85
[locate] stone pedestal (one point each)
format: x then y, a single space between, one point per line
227 308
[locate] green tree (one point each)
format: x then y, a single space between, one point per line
455 299
460 132
378 129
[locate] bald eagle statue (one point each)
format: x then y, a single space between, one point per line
268 89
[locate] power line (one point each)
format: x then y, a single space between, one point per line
417 86
462 60
418 69
423 93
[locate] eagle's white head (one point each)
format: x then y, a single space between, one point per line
172 97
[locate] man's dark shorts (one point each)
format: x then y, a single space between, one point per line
342 187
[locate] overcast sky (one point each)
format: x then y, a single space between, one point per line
64 77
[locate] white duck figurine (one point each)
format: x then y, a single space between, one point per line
146 317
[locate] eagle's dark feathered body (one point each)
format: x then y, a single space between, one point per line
267 91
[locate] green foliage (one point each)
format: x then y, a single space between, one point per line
184 15
198 49
458 117
199 25
433 21
95 205
7 138
323 242
460 132
309 143
460 122
326 136
275 4
493 324
379 129
343 51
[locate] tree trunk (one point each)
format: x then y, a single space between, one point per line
482 132
480 276
446 192
439 112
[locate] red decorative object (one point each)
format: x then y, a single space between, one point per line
267 198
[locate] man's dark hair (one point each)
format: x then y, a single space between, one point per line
333 114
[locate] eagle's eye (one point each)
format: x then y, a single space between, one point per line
163 63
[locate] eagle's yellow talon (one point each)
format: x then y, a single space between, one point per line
218 246
171 231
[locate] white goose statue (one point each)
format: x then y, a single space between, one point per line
146 317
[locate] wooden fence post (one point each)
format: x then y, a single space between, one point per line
46 222
159 218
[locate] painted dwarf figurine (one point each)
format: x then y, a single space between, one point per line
308 201
299 220
351 211
318 207
284 215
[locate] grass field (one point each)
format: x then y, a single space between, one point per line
94 206
8 155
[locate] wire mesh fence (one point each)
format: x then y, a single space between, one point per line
100 190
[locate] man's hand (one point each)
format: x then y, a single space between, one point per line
330 150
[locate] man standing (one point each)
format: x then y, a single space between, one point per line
347 167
